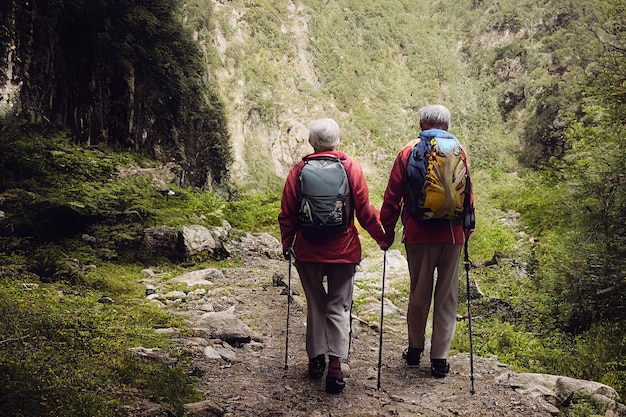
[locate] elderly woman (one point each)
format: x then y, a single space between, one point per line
327 253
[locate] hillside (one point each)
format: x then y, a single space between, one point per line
281 65
119 177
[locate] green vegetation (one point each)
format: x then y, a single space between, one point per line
62 352
537 94
573 199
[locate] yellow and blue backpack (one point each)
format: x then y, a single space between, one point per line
438 180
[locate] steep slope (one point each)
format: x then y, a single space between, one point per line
369 65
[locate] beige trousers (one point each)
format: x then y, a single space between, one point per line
423 259
328 307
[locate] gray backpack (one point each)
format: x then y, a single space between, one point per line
326 202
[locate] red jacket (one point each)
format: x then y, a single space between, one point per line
341 247
415 231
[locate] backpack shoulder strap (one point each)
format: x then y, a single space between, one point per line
421 148
322 156
439 133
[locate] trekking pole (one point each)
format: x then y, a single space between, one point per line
382 314
350 331
469 315
288 308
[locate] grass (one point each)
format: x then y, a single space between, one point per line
62 352
374 64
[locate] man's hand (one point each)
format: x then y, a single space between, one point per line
387 240
288 253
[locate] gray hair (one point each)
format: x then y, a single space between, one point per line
324 134
436 115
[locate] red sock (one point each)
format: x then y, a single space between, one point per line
334 368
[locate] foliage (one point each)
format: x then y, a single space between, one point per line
524 52
597 170
124 74
581 405
64 353
256 213
588 282
45 177
568 111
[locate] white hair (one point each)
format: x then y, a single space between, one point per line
436 115
324 134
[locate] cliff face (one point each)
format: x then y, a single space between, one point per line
269 117
279 66
118 74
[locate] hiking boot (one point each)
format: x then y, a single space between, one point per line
412 356
317 366
334 381
439 368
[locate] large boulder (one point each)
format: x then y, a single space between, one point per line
550 391
159 242
196 239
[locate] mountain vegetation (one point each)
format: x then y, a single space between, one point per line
120 73
221 89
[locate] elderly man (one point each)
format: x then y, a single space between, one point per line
431 242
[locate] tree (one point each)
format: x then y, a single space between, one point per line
125 73
593 283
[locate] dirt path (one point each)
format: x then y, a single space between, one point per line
256 383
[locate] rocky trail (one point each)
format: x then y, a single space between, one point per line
239 321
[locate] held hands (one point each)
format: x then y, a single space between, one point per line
387 240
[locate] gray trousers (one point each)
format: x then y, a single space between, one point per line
328 309
423 259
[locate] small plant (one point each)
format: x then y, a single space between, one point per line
256 213
64 353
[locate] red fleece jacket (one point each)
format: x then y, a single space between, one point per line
341 247
415 231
